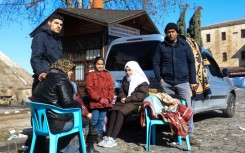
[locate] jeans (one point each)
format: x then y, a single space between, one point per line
64 142
183 90
98 119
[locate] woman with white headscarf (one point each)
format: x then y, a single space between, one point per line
131 95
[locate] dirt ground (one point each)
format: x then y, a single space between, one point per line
16 120
19 120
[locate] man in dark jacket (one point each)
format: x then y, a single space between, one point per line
46 48
174 68
58 90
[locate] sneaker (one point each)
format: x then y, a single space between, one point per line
110 143
102 142
193 141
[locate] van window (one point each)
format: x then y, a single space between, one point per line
213 67
120 54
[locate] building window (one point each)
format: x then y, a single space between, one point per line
92 54
208 37
243 55
243 33
224 57
223 36
79 71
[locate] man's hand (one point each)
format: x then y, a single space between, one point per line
42 76
123 100
193 87
161 81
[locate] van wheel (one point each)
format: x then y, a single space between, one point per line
230 110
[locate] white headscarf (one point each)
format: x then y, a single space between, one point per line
138 76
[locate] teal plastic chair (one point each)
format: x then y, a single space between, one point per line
40 125
151 130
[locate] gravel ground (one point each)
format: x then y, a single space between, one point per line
214 133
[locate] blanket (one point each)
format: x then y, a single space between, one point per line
177 119
201 76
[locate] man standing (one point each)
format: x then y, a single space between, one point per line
46 48
174 68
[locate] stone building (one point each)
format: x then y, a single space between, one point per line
226 41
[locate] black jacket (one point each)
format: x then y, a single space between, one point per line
56 90
175 64
46 49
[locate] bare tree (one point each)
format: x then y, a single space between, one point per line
35 11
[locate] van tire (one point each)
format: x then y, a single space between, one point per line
230 110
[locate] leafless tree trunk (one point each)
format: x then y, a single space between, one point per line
90 4
80 3
69 3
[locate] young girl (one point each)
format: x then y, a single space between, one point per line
99 87
131 95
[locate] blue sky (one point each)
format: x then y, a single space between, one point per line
15 41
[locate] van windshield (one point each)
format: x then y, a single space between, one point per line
120 54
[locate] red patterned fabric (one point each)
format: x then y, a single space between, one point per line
177 120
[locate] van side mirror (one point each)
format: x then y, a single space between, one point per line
225 72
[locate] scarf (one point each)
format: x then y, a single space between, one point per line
138 76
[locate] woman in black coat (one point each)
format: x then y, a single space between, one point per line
134 90
58 90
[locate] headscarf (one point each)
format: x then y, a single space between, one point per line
138 76
63 65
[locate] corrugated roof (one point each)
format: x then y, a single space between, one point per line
225 24
102 15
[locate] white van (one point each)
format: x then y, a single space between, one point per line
141 49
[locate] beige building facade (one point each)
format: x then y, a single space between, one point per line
226 41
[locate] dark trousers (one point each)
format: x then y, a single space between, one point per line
35 82
41 147
115 123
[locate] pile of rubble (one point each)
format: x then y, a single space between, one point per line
15 82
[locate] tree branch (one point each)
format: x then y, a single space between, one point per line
79 3
31 4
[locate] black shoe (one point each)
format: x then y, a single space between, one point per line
91 149
174 138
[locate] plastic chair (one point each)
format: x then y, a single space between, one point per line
151 130
40 125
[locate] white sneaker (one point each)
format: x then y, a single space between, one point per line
110 142
101 143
